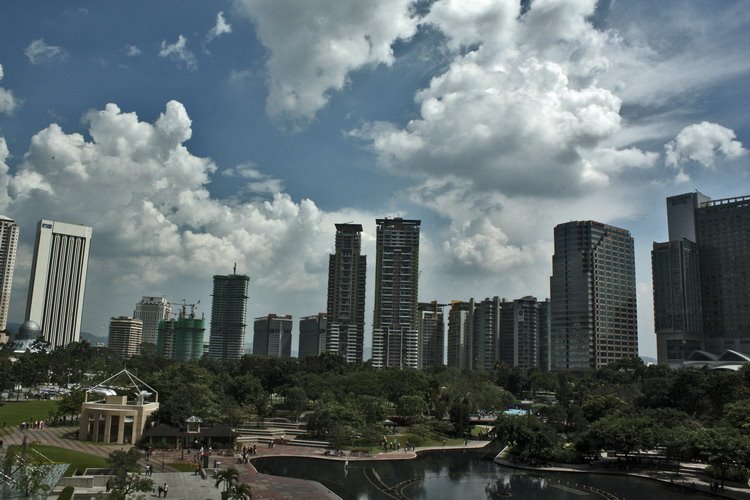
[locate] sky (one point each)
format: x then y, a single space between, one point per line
195 135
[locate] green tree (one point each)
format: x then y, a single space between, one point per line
228 478
125 468
459 415
296 401
412 408
28 469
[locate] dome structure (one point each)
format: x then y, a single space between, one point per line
30 330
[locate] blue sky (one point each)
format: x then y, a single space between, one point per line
241 131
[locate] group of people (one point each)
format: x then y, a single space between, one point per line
35 424
163 490
149 470
716 486
247 451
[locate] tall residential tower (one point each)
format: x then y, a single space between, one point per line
58 280
152 310
395 335
593 302
347 269
8 246
228 316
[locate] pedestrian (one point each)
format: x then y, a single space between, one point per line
166 488
108 485
159 491
162 464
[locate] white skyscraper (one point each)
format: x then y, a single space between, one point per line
151 310
58 280
8 245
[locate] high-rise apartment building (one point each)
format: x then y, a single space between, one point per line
228 316
312 335
460 334
151 311
8 246
58 280
431 334
395 337
521 332
545 341
181 338
723 237
485 342
125 336
272 336
593 300
347 270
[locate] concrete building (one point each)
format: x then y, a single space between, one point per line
347 270
8 247
272 336
460 334
395 338
545 331
110 418
181 338
485 342
431 334
58 280
312 335
125 336
228 316
593 300
681 215
520 332
151 311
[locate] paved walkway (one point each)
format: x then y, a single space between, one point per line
53 436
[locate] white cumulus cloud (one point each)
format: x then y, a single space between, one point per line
39 51
314 45
179 52
704 143
8 101
133 50
222 27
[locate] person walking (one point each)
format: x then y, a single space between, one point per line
166 489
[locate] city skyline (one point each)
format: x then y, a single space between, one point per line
217 137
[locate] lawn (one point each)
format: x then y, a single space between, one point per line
76 459
13 413
182 466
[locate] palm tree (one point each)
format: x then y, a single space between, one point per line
229 477
240 491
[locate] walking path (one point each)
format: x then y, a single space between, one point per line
53 436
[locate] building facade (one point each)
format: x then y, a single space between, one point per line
431 334
347 270
485 342
723 237
460 334
151 311
125 336
8 247
520 332
312 335
593 296
272 336
228 317
395 337
58 280
545 331
181 338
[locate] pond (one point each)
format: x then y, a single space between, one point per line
465 474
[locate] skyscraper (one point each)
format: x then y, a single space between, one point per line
272 336
228 316
125 336
312 335
8 246
545 341
431 334
460 334
485 348
593 299
723 237
347 269
58 280
395 337
520 332
151 311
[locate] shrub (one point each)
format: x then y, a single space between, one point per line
734 474
67 493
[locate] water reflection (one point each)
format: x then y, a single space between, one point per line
458 474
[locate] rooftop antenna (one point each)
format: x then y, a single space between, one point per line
235 268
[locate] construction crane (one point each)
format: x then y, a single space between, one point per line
183 308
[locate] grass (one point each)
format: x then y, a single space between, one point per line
13 413
77 460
